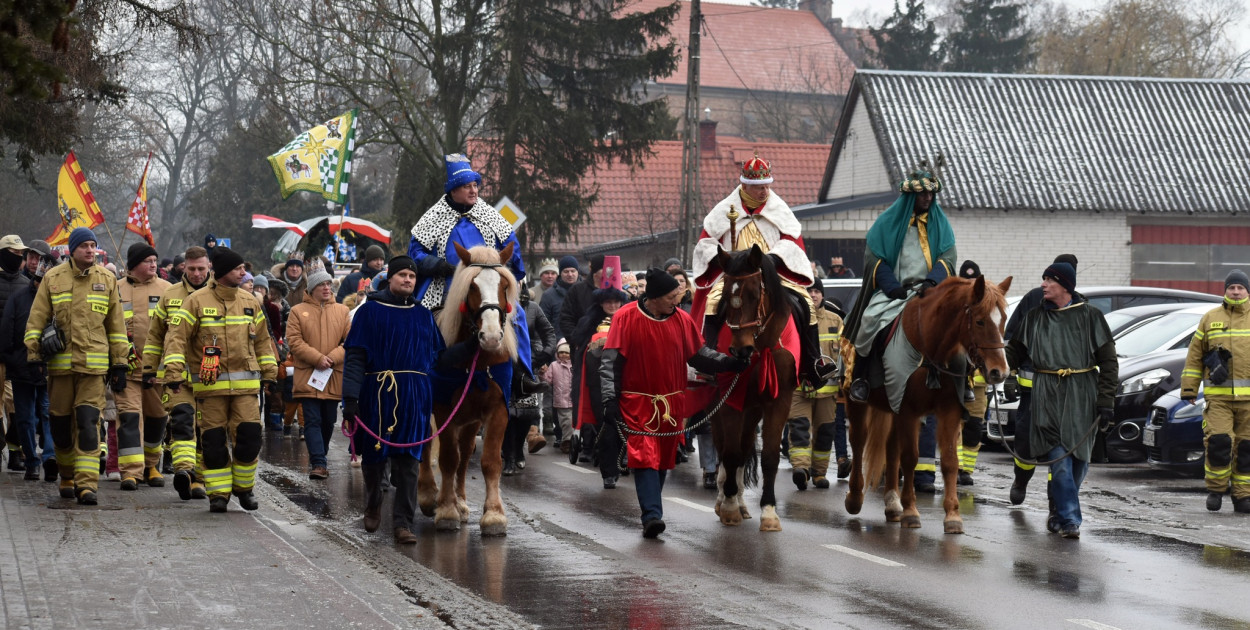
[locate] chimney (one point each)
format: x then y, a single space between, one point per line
822 8
707 133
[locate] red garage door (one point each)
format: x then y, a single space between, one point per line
1189 257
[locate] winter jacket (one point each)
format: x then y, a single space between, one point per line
139 302
352 282
12 329
154 342
560 375
89 315
542 335
1226 326
552 302
313 331
233 321
11 284
577 301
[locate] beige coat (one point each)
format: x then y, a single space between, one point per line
314 331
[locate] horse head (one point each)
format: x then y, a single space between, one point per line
750 293
985 319
486 290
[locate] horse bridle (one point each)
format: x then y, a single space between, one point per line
735 301
974 350
483 309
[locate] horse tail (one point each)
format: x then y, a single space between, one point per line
751 467
877 425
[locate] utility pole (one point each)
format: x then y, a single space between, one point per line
690 202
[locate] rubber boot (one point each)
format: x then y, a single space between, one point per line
1020 484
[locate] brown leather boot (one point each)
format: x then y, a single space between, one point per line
535 440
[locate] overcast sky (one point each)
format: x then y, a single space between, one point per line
860 13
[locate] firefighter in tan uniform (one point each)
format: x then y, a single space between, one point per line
221 337
188 474
974 426
89 349
1219 360
140 414
812 410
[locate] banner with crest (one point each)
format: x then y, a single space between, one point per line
319 160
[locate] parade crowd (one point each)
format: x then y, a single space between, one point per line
176 367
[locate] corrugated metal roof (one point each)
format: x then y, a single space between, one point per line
1067 142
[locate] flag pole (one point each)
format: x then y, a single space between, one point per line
116 247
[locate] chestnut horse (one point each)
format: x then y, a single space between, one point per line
957 318
756 312
479 305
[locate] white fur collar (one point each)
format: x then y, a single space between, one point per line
775 211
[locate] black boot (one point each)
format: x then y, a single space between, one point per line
1215 500
509 467
1020 484
247 500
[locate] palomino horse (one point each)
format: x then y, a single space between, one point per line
756 313
957 317
479 304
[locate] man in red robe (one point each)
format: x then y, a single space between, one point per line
643 380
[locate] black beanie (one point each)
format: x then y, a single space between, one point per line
1067 258
1063 273
596 263
138 253
398 264
659 283
1236 276
969 270
224 261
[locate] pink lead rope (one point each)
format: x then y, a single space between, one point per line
357 424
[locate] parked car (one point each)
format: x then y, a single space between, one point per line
1169 332
1000 418
1143 379
1126 319
1173 436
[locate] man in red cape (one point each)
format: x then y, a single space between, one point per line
643 380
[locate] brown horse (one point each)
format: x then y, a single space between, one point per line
479 305
958 318
756 312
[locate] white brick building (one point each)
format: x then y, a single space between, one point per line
1144 180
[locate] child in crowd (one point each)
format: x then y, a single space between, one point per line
560 375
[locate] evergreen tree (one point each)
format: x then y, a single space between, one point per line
906 40
992 37
571 101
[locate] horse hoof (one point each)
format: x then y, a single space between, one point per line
447 524
892 518
954 527
743 511
853 506
770 525
717 508
911 521
427 509
494 525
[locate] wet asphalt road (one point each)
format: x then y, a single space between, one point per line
1150 555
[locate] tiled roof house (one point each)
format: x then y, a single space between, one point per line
1142 179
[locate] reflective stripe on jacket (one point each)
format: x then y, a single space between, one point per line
1226 326
139 300
89 315
231 320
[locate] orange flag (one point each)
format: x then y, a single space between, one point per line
74 200
137 220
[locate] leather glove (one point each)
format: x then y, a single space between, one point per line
1106 418
611 412
732 363
1011 390
117 377
897 293
149 380
351 411
174 386
925 285
444 268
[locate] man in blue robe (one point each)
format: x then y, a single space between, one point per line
461 217
910 247
391 351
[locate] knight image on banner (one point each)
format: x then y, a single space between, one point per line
319 160
75 202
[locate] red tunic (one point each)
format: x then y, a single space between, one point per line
653 381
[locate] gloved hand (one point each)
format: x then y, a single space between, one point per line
444 268
1011 390
1106 418
897 293
38 369
611 412
149 380
351 411
732 363
925 285
268 385
117 377
1190 398
174 386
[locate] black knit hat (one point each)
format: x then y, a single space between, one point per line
1063 273
969 270
224 261
138 253
596 263
659 283
1067 258
400 263
1236 276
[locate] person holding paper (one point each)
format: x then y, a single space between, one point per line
315 331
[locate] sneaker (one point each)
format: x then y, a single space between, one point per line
509 467
821 481
1071 531
32 474
130 484
844 467
86 497
965 478
709 481
301 433
1215 500
113 476
319 472
859 390
182 483
653 528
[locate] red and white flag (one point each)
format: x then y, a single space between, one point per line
137 220
265 221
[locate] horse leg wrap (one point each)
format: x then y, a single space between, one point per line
247 439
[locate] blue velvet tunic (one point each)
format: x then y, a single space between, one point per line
402 344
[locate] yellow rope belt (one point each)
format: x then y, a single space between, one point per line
386 380
1062 372
661 410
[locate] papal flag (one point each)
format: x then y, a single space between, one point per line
137 219
74 200
319 160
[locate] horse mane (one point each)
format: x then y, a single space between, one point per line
944 298
739 264
451 321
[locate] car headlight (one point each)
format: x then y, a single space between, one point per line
1142 382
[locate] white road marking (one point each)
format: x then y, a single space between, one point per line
1090 623
864 556
575 468
691 504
